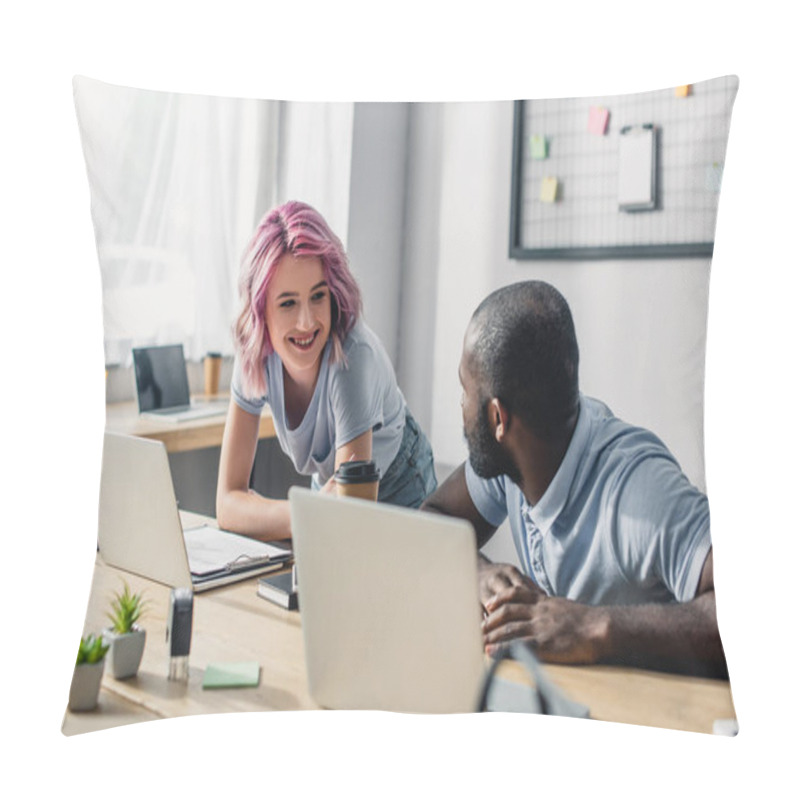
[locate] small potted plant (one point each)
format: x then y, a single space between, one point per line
124 637
88 673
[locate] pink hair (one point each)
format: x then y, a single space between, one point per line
300 230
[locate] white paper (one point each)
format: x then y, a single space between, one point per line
211 550
636 161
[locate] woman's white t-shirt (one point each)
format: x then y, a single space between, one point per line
350 398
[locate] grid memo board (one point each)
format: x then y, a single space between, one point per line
581 219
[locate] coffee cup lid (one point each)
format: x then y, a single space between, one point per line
357 472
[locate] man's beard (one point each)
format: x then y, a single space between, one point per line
487 457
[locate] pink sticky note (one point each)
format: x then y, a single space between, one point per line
598 120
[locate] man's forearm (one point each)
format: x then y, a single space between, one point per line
452 498
679 637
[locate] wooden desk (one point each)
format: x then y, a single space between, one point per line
233 624
177 436
229 624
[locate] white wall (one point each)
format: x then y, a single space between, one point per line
472 241
641 325
418 290
348 160
375 234
316 152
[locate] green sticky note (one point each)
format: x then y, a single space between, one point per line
538 146
714 177
231 674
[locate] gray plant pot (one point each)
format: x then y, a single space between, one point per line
85 686
125 652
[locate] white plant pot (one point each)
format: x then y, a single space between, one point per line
125 652
85 686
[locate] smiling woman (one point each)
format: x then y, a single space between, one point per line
298 324
302 348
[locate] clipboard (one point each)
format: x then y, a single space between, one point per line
637 168
213 552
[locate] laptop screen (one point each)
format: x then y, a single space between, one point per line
161 380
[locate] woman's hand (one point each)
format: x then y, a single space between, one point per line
239 508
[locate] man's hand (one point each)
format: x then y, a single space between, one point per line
559 630
679 637
494 578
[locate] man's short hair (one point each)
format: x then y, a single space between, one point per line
525 353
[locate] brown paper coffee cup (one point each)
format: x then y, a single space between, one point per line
212 364
358 479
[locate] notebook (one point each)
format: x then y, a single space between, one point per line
162 386
140 528
389 605
279 589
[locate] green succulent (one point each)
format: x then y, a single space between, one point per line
126 608
91 650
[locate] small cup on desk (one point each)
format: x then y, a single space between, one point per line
358 479
212 365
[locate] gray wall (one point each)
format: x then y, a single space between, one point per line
376 227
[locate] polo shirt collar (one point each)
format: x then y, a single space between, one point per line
546 511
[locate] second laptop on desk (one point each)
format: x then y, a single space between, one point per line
140 528
162 386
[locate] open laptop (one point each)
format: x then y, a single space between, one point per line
140 527
389 605
162 386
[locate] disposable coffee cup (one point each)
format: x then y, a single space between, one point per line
212 365
358 479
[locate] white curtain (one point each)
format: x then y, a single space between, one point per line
177 184
316 153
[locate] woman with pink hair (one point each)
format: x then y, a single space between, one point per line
303 348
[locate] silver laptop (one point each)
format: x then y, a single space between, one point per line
140 527
162 386
389 605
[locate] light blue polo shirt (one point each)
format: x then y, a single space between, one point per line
619 523
349 399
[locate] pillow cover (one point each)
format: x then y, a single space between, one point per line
614 203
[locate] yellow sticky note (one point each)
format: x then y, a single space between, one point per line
549 190
538 146
683 91
598 120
